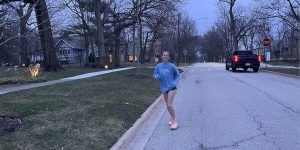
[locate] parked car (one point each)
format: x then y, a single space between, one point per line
244 60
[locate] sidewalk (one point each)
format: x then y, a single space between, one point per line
12 88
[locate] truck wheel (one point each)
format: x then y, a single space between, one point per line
255 69
233 69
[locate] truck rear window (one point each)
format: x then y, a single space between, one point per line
243 53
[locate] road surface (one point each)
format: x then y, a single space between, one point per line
219 109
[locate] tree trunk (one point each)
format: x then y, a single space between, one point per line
151 52
143 50
100 34
117 49
23 43
234 37
140 41
134 43
251 41
45 32
23 34
86 44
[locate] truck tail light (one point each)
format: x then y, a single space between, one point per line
260 58
235 58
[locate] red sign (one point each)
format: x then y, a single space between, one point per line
266 42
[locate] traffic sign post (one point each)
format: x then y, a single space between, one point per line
261 51
266 43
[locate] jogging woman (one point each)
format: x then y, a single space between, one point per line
168 76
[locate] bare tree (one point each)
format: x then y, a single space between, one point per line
83 15
232 20
122 18
114 16
155 22
285 12
239 24
101 14
212 45
45 32
23 18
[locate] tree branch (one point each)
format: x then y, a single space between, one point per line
293 11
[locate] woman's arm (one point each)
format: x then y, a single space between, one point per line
156 72
176 75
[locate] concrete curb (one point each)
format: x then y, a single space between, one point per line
283 74
131 132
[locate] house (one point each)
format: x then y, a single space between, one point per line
288 47
71 50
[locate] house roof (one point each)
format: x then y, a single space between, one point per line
75 42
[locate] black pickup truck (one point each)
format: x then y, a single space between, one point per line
243 59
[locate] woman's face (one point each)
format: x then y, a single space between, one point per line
165 57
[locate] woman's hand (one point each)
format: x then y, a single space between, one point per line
156 77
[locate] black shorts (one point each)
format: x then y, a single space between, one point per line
174 88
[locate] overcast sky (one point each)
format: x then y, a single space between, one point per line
205 12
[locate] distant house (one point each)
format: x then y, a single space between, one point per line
71 50
68 50
287 48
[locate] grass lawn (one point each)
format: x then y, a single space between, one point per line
281 63
20 76
295 72
85 114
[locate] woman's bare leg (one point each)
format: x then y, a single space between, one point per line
170 107
169 100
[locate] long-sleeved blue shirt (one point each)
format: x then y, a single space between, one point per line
168 76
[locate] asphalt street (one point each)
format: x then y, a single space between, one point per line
219 109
